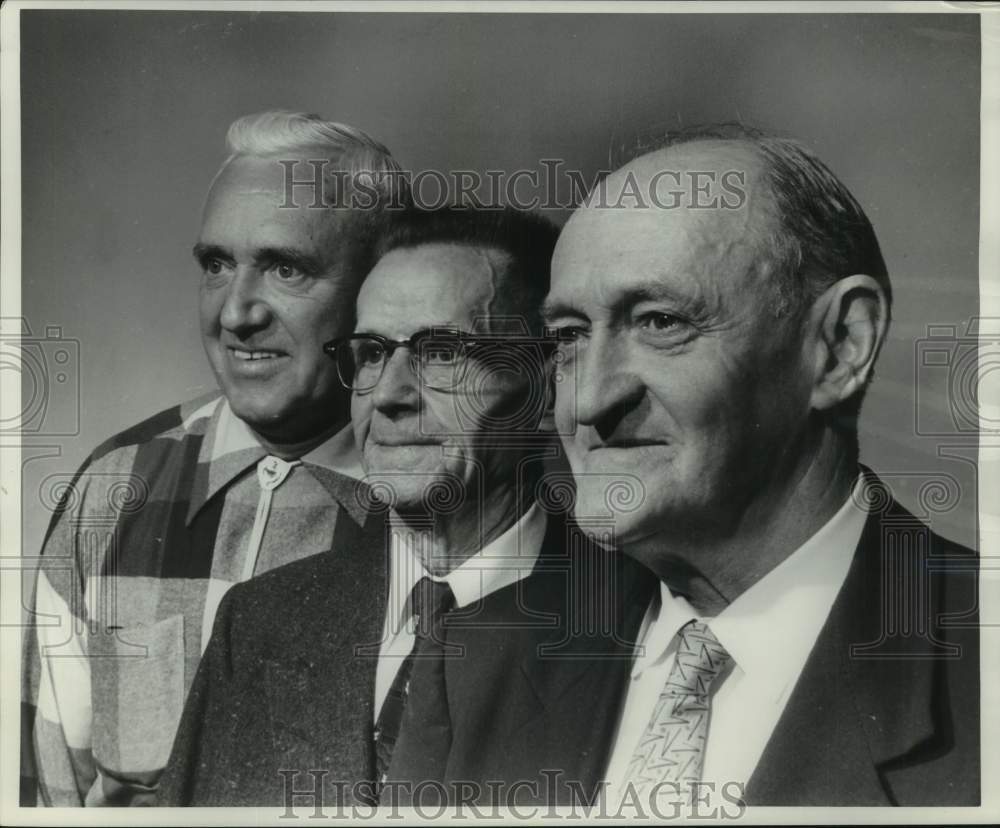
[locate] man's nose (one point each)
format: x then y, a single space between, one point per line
245 307
606 385
397 387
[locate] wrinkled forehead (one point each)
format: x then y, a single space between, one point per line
434 284
251 190
695 212
293 181
249 175
249 204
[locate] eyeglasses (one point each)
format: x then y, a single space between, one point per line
437 356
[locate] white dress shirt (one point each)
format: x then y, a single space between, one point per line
769 631
506 560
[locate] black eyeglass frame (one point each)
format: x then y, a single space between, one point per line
470 342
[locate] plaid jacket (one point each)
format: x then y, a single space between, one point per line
145 541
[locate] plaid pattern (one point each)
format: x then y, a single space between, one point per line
145 542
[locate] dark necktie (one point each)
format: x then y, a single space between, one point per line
429 601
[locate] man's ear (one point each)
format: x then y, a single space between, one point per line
849 323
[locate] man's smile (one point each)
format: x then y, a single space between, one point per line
254 362
402 440
248 356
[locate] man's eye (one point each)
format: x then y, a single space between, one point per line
287 272
664 330
658 322
214 267
368 353
567 333
568 340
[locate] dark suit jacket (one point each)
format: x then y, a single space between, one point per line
285 684
532 706
886 710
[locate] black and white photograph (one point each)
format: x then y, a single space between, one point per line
556 413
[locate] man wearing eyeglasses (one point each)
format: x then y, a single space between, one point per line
493 615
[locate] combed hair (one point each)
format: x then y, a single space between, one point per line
356 161
306 136
528 238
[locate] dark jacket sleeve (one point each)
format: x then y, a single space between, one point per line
202 734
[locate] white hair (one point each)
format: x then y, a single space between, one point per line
301 136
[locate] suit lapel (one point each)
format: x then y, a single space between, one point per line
541 655
818 753
901 655
585 663
565 656
858 703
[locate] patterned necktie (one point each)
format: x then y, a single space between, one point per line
429 601
672 748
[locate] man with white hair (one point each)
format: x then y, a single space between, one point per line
163 518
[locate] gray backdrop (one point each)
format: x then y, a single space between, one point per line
124 116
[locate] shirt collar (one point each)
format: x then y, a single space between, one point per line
771 628
339 453
507 559
230 448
